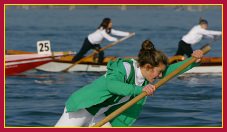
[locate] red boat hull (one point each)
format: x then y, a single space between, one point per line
19 68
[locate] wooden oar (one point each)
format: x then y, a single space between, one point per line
143 94
104 48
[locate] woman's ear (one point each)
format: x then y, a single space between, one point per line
147 67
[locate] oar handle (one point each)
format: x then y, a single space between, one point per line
124 107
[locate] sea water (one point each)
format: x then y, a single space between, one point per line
37 98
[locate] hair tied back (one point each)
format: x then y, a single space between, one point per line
147 45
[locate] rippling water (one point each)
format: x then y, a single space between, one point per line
37 98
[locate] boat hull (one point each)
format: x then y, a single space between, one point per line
209 65
17 68
18 63
58 66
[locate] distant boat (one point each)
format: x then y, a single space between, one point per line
209 65
19 61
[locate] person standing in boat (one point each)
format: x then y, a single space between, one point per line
124 79
194 36
94 39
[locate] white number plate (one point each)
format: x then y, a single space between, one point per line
43 47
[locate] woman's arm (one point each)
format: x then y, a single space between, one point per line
107 36
119 33
174 66
198 54
118 87
116 77
210 33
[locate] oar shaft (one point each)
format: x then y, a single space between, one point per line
77 62
120 110
205 50
143 94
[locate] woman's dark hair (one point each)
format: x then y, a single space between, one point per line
149 55
104 24
202 21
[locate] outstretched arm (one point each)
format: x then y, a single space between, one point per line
197 54
210 33
107 36
119 33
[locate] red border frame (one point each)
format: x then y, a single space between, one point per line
2 78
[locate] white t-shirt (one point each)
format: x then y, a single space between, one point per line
197 33
98 36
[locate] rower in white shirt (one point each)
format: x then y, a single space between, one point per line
94 39
194 36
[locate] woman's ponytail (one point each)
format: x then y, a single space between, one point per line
149 55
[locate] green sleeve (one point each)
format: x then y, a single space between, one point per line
116 80
174 66
116 85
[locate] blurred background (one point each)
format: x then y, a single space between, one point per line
37 98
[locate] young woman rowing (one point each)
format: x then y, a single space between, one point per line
124 79
94 39
194 36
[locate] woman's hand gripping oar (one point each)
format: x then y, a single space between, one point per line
205 50
104 48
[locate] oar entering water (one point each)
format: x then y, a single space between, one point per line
205 49
104 48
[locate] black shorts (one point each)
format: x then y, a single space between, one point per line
184 48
